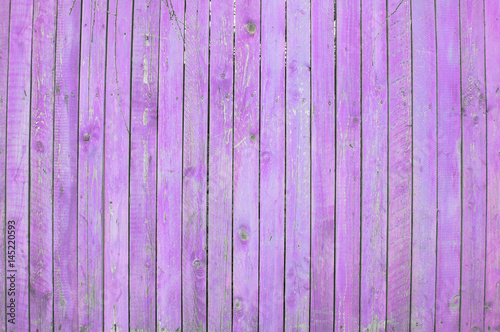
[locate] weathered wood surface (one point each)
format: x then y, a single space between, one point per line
250 165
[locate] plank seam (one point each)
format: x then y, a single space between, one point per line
461 166
437 164
486 151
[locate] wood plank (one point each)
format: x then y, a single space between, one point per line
400 165
348 159
194 200
449 167
220 167
374 166
246 167
143 165
66 165
492 53
116 165
473 165
169 182
17 169
424 165
298 164
272 165
41 161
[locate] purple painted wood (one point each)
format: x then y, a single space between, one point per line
374 166
17 168
246 167
41 161
65 165
194 200
449 167
424 165
221 167
272 165
169 182
298 163
348 171
473 165
143 165
116 164
492 53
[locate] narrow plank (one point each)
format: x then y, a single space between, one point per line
374 166
220 167
116 164
400 165
41 161
90 165
143 166
17 169
449 167
169 182
272 165
298 164
473 165
492 53
424 165
348 176
66 165
194 200
246 167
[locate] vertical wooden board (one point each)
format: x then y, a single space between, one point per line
492 52
116 164
246 167
169 182
194 200
272 165
374 166
90 165
65 165
400 166
143 165
41 154
298 163
473 165
220 167
348 176
17 169
424 165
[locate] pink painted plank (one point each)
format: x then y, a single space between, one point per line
348 177
65 165
17 169
194 200
220 167
492 53
41 161
272 165
298 163
449 167
246 167
116 165
374 166
473 165
424 166
169 179
143 165
400 166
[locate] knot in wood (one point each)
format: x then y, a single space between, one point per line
251 28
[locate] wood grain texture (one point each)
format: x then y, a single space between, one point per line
66 165
473 164
17 173
195 149
246 167
374 88
424 165
116 165
298 163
